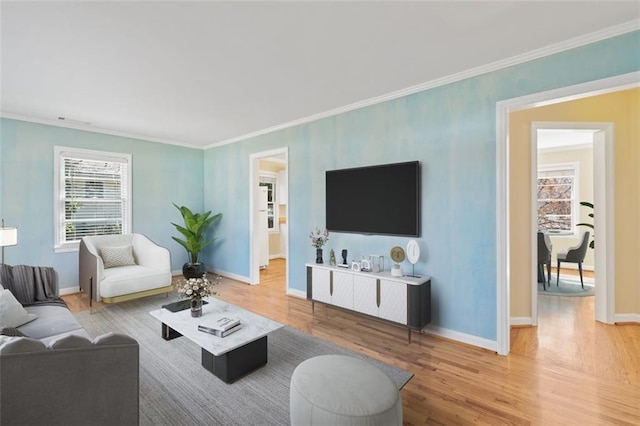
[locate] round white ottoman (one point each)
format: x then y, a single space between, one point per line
341 390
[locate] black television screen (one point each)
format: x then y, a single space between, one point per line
382 199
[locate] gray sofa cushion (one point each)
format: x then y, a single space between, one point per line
51 321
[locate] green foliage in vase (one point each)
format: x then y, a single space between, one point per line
592 244
195 226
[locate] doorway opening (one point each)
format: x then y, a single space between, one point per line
269 207
565 172
503 208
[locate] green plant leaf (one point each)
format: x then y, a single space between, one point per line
195 226
586 224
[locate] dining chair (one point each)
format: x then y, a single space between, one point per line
574 255
544 258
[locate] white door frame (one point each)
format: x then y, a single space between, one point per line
503 109
603 190
254 180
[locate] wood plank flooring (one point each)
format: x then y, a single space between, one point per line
569 370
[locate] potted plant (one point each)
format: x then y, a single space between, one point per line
195 225
592 244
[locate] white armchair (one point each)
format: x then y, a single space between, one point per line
115 268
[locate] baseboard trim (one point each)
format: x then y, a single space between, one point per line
297 293
516 321
69 290
230 275
626 318
469 339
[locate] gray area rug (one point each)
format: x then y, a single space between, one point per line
567 287
176 390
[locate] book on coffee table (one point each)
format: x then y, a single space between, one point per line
220 333
219 322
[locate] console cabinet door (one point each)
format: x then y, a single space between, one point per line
365 295
342 290
393 301
321 281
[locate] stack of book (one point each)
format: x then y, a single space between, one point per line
220 325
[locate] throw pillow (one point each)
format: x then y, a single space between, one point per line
117 256
12 314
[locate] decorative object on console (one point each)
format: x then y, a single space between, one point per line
8 237
195 226
365 265
377 262
397 255
413 254
355 266
344 259
196 289
332 258
318 240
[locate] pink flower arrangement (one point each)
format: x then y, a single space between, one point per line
319 238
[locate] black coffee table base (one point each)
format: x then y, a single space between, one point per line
234 364
231 365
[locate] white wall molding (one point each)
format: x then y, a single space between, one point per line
89 128
468 339
69 290
231 275
620 318
503 109
297 293
521 321
473 72
452 78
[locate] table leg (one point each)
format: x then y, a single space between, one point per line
169 333
234 364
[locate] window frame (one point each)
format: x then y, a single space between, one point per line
59 194
558 167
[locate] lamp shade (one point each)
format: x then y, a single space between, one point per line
8 236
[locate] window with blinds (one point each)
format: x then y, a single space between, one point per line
556 198
93 194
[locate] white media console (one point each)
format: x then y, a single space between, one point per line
402 300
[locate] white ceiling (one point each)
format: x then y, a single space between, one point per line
202 73
559 139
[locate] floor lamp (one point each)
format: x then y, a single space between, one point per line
8 237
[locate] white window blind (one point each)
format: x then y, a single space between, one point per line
93 194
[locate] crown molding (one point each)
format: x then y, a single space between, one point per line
77 125
473 72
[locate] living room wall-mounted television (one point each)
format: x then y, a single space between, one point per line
379 200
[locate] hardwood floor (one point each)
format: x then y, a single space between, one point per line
569 370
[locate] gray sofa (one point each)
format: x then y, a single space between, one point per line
53 372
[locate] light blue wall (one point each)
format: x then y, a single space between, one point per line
161 174
451 131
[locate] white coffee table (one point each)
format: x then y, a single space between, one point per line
231 357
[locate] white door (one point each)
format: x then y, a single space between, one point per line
263 230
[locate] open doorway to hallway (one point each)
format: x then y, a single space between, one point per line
269 207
